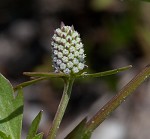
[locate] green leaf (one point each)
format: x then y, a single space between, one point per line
11 109
38 136
34 126
78 131
4 136
110 106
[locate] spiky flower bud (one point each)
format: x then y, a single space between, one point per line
67 50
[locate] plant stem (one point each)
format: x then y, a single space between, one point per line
24 84
46 74
105 73
102 114
68 82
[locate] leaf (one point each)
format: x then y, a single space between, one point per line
11 109
78 131
34 126
38 136
110 106
4 136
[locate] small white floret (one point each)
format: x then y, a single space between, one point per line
54 59
73 42
81 51
72 49
54 37
64 34
77 46
65 52
58 31
69 64
65 59
59 62
55 52
57 39
68 38
60 47
67 45
75 70
63 41
52 43
75 61
71 56
78 39
66 71
80 66
62 66
55 46
76 53
60 55
75 34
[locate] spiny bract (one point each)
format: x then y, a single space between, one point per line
67 50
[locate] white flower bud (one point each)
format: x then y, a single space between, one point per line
75 61
73 42
65 52
71 56
60 48
69 64
57 39
63 41
75 34
60 55
78 46
55 52
59 62
67 45
80 66
78 40
62 66
55 59
72 49
68 52
75 70
76 53
58 31
65 59
66 71
81 51
55 46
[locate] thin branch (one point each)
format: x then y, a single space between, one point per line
24 84
107 109
61 108
105 73
46 74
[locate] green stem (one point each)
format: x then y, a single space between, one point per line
105 73
61 108
28 83
102 114
46 74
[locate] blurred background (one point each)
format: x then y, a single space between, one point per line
115 33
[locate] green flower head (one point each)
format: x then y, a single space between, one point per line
67 50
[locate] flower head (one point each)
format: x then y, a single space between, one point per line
67 50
